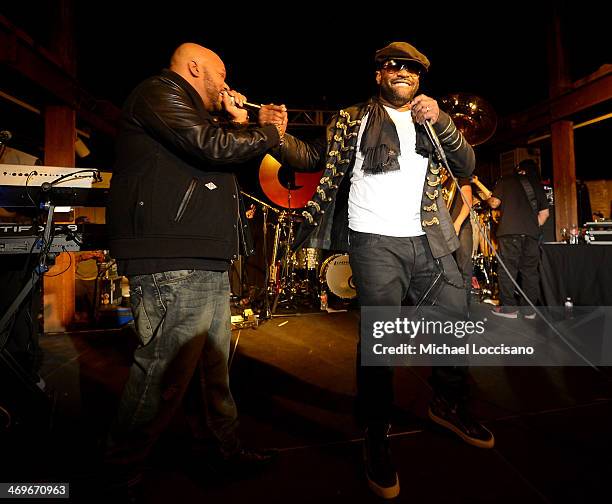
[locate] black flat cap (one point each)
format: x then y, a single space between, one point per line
401 51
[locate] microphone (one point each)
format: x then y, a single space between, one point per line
433 137
435 141
248 105
245 105
5 136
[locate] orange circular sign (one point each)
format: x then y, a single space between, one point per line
305 185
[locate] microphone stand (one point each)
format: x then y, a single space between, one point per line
265 314
25 378
438 147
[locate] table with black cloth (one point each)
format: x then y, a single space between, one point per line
582 272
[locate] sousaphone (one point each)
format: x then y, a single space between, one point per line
475 118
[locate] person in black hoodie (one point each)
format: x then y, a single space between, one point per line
176 220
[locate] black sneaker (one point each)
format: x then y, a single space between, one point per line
122 476
456 417
379 468
505 311
248 460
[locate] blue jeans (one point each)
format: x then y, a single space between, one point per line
183 322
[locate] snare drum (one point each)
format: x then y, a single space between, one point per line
337 277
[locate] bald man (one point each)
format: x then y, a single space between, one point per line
176 221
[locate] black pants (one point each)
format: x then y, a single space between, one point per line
387 270
521 254
463 255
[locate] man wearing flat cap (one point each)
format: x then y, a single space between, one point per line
380 199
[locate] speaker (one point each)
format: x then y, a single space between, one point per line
236 274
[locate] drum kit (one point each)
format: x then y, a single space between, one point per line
302 278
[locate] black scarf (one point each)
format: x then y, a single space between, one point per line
380 144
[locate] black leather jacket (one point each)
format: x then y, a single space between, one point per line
326 224
173 191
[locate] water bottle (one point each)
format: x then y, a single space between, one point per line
574 235
569 308
323 300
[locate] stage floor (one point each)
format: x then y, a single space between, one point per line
294 383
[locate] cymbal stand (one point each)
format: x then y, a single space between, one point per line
256 200
273 283
281 268
265 313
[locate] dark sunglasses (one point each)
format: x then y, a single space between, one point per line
394 66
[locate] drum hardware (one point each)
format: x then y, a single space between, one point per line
297 278
279 268
288 275
258 201
485 269
485 262
265 312
282 282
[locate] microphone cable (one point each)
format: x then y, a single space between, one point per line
433 137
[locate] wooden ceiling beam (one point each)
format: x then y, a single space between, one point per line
39 66
589 92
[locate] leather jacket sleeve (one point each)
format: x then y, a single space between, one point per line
302 156
168 114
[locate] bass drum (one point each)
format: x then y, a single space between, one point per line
336 276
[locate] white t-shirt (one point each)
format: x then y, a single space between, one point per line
389 203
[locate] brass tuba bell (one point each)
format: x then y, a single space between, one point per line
475 118
473 115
